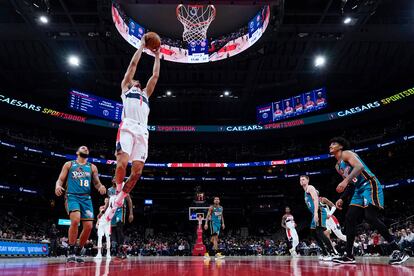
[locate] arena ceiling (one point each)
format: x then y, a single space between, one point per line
365 59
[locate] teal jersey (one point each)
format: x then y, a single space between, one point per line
216 214
310 204
79 178
111 191
344 169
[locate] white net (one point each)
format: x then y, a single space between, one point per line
196 19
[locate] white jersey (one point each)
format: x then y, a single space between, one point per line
289 221
136 105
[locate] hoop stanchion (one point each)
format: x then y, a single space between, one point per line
199 248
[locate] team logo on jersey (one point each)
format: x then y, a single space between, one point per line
80 173
89 213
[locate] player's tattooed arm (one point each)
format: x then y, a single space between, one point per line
155 74
59 190
96 182
222 220
208 217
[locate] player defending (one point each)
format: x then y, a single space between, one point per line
215 216
289 224
78 175
319 218
104 229
132 138
118 221
367 199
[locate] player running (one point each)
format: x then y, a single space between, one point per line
318 224
104 229
215 216
132 138
367 199
332 223
78 175
289 224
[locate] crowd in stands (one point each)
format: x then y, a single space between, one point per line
367 243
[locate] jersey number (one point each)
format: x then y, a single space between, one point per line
84 183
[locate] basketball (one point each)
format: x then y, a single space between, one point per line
152 41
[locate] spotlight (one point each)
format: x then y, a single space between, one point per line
226 93
347 20
168 93
74 60
43 19
320 61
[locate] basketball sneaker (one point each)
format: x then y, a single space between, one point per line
398 257
344 260
80 260
71 259
98 256
293 252
327 258
219 256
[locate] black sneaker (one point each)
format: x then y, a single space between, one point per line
398 257
71 259
344 260
80 260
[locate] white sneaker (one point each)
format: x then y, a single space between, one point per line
99 256
293 252
108 256
327 258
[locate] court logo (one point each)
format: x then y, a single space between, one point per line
105 112
265 115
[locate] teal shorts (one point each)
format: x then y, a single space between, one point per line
369 192
322 216
215 228
118 217
80 203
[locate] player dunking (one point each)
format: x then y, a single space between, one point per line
78 175
215 216
367 199
132 138
318 218
289 224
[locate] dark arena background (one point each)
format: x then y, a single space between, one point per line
247 99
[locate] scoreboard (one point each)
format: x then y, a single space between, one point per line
96 106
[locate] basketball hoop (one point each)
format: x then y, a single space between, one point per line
196 19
